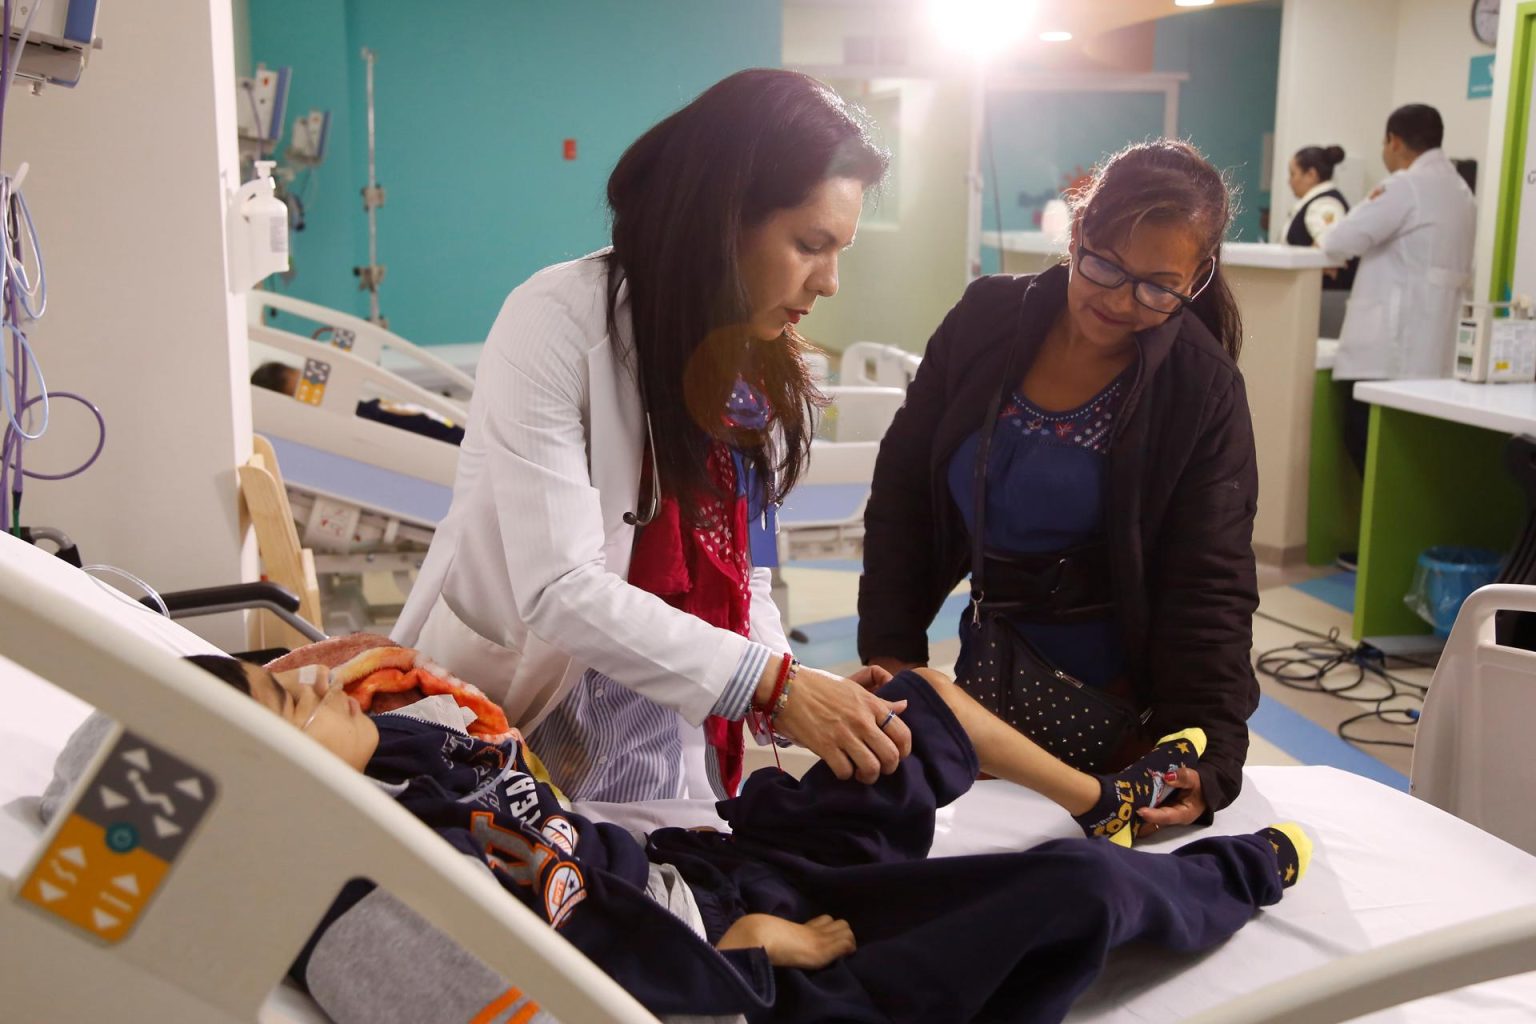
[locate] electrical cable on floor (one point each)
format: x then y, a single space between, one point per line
1327 665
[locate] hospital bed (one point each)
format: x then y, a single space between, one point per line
283 829
367 496
444 369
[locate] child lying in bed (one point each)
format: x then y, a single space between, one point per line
818 906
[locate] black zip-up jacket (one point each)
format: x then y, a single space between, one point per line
1181 496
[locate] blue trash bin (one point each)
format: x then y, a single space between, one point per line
1444 578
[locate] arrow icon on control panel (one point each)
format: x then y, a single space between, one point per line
138 758
74 855
104 920
50 893
165 829
127 883
111 799
191 787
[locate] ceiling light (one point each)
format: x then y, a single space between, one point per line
1193 3
982 28
1055 37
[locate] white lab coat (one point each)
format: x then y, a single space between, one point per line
524 586
1414 241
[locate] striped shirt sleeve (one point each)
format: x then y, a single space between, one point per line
736 699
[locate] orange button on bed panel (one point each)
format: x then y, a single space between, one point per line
98 879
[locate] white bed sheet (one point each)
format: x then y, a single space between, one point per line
1387 866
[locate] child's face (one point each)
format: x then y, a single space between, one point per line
304 698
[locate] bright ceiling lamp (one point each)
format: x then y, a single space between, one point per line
1055 37
981 28
1193 3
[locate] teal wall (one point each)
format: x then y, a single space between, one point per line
474 100
1044 141
1232 57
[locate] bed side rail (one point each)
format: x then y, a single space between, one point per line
1490 947
283 828
369 340
352 377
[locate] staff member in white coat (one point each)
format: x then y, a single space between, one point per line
592 573
1414 239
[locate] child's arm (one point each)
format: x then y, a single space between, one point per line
810 946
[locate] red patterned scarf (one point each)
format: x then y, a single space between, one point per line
705 571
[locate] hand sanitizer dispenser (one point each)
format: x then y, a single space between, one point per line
258 231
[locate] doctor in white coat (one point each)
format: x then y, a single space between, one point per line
1414 238
599 407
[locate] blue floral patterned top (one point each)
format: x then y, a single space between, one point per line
1046 477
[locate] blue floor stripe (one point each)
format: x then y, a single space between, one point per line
840 564
1338 589
1311 743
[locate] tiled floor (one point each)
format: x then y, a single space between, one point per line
1292 726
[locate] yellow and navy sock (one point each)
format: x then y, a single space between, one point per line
1293 850
1140 785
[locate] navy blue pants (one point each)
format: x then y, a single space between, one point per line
1002 937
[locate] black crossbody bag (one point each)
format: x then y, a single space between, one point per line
1077 723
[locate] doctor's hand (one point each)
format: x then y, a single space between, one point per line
840 721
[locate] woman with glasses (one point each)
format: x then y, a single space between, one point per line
1118 486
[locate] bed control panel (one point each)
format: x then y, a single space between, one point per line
312 382
130 822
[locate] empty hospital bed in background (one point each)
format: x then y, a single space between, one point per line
281 829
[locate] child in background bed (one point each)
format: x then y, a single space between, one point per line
820 904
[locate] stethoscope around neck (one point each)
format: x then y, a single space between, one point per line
647 512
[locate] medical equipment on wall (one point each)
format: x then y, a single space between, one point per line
260 110
258 231
24 396
56 37
1496 342
371 276
306 143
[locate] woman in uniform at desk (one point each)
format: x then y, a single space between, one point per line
1319 206
632 409
1120 478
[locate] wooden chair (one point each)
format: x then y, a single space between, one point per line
264 508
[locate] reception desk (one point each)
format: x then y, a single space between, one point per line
1278 290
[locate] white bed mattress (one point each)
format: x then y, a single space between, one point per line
1387 866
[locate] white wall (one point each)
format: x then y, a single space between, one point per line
905 272
127 183
1435 45
1345 66
1337 71
908 266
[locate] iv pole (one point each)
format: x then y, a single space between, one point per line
371 276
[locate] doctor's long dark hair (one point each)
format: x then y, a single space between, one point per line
683 196
1167 181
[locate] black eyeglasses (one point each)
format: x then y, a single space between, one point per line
1108 274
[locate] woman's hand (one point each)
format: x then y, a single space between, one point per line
841 722
1183 808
